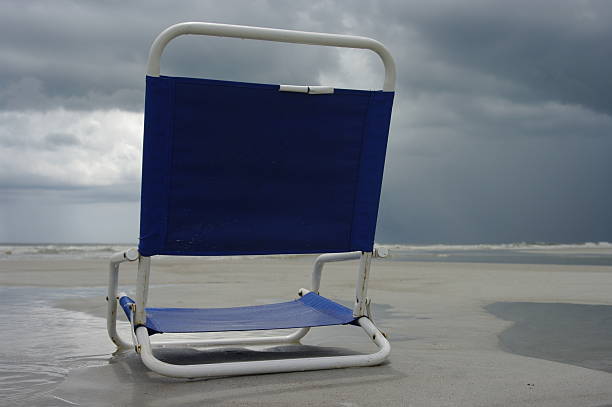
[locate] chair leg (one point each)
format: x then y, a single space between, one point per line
112 295
265 366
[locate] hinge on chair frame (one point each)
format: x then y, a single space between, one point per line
137 347
381 252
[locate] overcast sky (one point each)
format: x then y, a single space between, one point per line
501 130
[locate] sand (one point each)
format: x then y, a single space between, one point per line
446 349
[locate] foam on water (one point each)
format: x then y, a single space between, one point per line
104 251
59 251
41 343
91 251
592 253
502 246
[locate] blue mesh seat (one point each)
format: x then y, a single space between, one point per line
308 311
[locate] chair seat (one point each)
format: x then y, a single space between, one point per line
308 311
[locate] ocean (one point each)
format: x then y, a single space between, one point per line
587 254
590 253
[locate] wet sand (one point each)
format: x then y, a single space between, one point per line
579 334
446 349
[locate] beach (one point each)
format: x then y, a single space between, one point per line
479 326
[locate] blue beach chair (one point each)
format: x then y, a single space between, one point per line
235 168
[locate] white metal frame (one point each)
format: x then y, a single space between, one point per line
140 336
142 344
270 34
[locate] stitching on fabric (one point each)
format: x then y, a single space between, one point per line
230 84
380 173
358 178
171 97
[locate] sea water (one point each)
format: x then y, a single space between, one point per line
41 343
598 253
60 251
586 254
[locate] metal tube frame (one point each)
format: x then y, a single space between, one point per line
265 366
270 34
137 318
143 345
112 295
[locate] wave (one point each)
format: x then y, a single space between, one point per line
501 246
60 250
103 251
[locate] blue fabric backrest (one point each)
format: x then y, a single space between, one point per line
239 168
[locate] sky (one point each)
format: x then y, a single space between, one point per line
501 129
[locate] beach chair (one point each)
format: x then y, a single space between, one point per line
233 168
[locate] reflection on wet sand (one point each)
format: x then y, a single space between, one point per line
579 334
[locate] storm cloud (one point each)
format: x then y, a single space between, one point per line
501 130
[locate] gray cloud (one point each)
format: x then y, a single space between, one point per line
90 55
93 54
59 140
501 128
547 51
472 190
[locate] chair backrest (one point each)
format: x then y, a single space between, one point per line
238 168
241 168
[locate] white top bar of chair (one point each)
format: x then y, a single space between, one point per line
270 34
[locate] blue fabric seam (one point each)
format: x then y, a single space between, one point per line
214 308
226 85
380 174
234 84
167 178
246 252
358 177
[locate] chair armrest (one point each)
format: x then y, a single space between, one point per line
328 258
